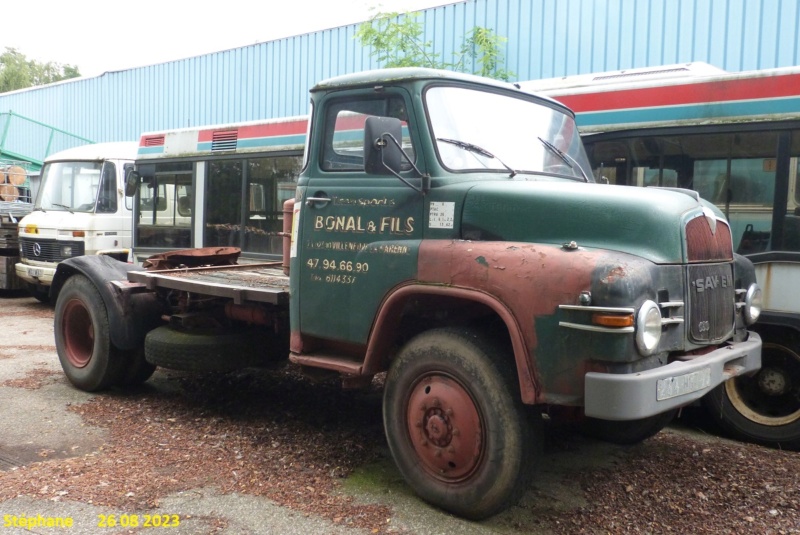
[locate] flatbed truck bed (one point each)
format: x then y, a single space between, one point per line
262 283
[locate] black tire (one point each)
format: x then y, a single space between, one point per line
41 293
137 369
764 408
629 431
203 351
83 344
455 424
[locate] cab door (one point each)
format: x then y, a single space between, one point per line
359 232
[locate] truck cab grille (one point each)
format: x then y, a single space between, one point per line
712 296
712 292
705 245
49 250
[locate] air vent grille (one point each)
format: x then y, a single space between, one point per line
154 141
224 140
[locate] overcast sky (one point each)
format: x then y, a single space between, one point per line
110 35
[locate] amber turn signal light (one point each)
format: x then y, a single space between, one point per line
613 320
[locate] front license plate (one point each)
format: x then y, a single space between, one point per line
683 384
35 272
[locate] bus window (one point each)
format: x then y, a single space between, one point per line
164 209
636 165
271 181
609 161
223 204
791 227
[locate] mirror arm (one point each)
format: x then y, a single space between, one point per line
425 185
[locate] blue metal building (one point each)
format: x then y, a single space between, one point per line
545 38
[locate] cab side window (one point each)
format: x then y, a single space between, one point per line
343 146
107 197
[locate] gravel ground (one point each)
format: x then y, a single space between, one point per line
272 443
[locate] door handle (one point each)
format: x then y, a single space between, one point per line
311 200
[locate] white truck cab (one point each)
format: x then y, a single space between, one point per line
80 209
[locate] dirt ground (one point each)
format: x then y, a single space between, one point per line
271 452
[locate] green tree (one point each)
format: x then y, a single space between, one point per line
18 72
395 40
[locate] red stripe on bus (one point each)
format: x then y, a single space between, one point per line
286 128
762 87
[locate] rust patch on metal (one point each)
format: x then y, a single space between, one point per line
203 256
531 281
614 275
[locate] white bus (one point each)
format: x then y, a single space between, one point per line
217 186
735 139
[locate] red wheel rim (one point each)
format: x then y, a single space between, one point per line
445 428
78 333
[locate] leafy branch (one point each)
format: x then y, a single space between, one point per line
17 72
395 40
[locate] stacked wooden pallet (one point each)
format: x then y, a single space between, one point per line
11 178
12 209
9 234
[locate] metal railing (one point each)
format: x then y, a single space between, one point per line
29 140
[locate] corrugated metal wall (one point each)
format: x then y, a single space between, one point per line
545 38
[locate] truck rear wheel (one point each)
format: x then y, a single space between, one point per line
455 424
137 369
84 348
764 408
204 351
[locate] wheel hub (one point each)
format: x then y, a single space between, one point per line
772 397
772 382
445 427
438 429
78 334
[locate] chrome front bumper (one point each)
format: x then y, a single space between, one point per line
639 395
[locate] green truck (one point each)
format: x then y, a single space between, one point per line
447 230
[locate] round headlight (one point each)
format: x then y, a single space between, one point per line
752 304
648 328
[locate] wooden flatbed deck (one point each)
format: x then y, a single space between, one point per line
262 283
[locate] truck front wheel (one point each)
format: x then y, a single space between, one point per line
83 343
455 424
627 432
765 407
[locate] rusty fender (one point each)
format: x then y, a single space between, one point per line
129 317
521 282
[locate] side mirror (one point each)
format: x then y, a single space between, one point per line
131 181
382 155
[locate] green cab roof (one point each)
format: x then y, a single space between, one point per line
418 74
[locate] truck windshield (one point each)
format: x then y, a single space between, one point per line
519 132
74 186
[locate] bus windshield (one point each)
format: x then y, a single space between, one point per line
480 131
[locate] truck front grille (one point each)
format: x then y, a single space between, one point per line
706 245
712 298
49 250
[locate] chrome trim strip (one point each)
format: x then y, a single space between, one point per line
620 310
671 304
595 328
667 321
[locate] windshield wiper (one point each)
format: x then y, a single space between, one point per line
569 160
477 150
64 206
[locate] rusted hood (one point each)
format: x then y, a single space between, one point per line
645 222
